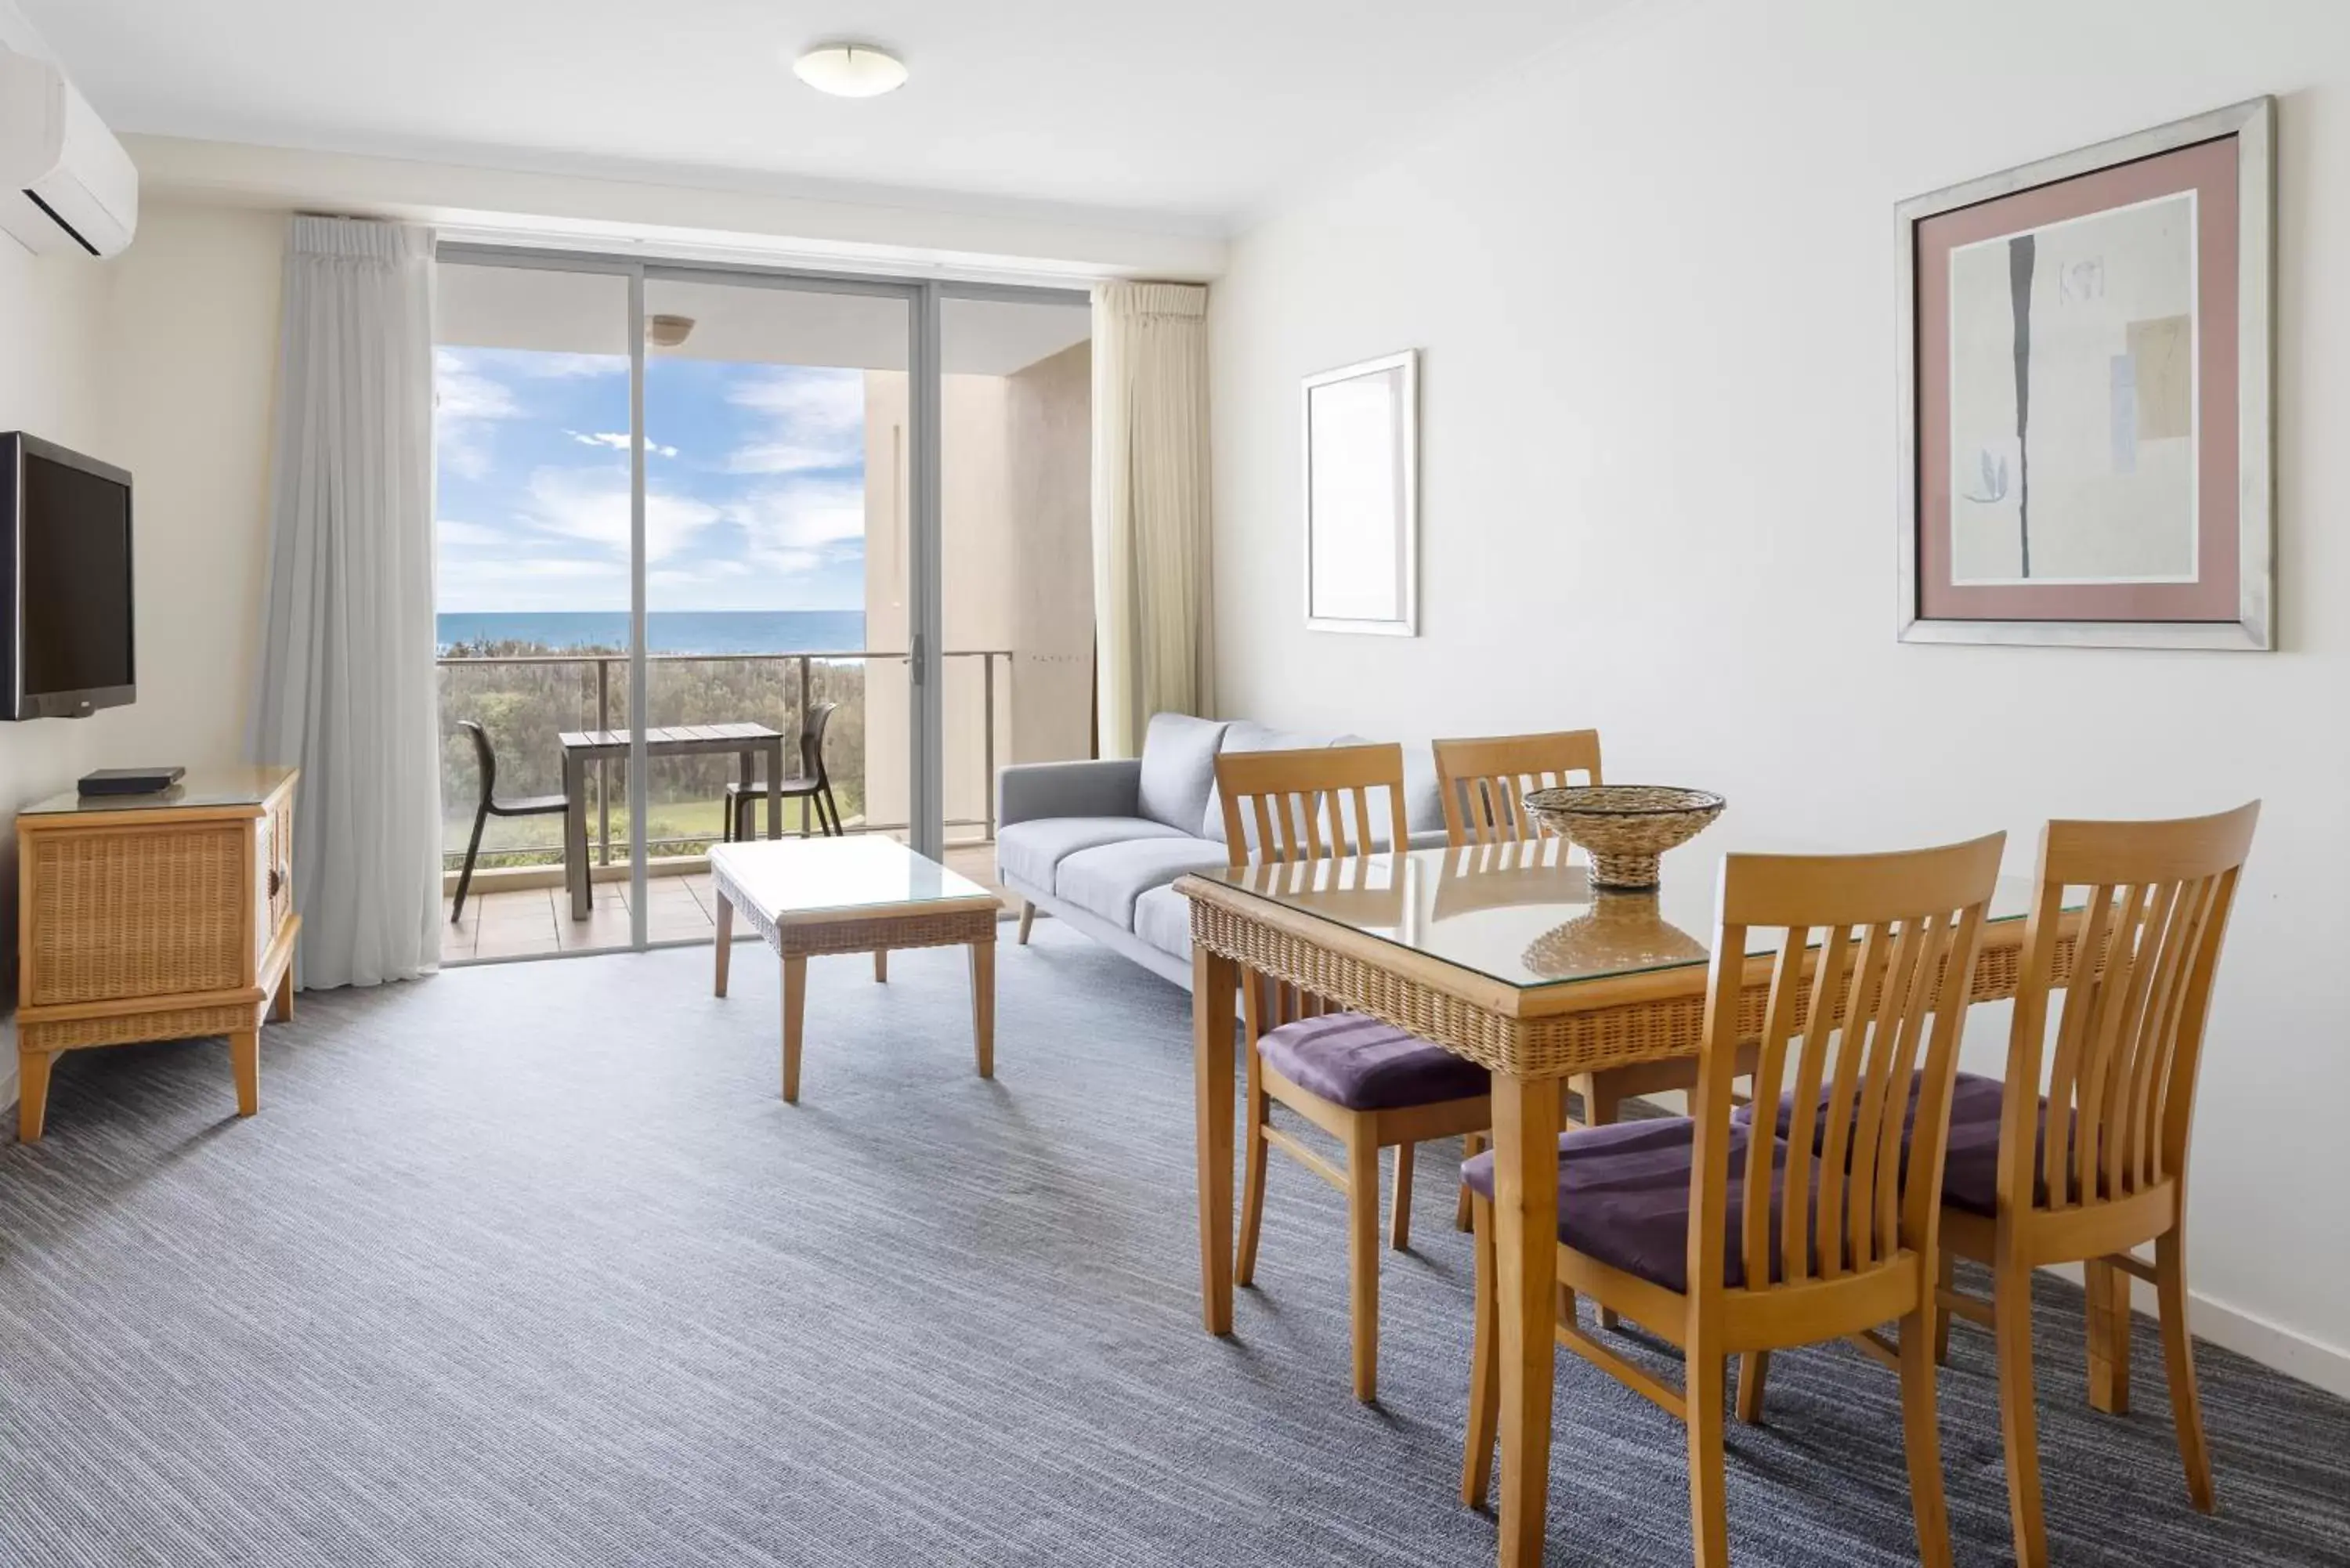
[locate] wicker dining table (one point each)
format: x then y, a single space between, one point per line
1504 954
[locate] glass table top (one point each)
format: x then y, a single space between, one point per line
789 877
225 786
1526 914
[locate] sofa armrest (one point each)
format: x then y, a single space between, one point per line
1025 792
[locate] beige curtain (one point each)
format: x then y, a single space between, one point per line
1151 506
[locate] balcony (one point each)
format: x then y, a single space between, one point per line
524 699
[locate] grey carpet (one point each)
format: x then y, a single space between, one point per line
529 1266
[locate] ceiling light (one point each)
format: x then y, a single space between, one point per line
850 70
668 331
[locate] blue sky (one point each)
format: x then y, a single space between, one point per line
754 493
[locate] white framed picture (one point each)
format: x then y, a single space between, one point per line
1362 497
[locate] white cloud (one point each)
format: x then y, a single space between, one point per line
815 419
554 567
591 504
797 525
617 441
534 583
466 404
701 574
574 367
452 533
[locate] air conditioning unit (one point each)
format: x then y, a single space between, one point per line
65 184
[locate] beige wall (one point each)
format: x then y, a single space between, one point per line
161 362
701 218
1653 284
973 519
191 389
50 345
1016 571
1048 444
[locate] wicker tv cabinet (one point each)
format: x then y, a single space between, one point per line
160 917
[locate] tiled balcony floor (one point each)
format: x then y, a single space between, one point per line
532 921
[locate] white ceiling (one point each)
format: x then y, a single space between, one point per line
1197 113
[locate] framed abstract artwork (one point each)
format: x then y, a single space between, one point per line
2084 387
1362 497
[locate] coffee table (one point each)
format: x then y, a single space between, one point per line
865 894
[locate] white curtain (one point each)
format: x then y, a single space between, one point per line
1153 648
346 690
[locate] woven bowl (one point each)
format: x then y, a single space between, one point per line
1625 826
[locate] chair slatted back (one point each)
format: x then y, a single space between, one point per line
1484 782
1852 1027
1308 805
1288 807
2121 1088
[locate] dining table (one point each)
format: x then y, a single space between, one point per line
1507 955
582 749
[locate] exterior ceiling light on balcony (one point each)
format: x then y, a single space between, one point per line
668 331
850 70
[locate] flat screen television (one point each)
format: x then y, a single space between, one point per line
65 527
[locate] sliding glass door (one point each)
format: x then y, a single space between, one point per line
776 568
825 535
532 575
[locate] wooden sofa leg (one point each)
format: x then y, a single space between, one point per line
1027 920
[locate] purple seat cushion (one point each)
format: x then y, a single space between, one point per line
1365 1065
1623 1196
1970 1169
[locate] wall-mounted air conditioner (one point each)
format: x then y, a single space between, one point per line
65 184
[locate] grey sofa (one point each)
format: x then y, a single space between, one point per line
1100 844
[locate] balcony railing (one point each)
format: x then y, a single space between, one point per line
602 703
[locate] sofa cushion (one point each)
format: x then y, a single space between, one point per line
1162 917
1106 880
1246 735
1178 768
1367 1065
1032 851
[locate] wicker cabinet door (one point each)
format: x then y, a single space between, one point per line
120 913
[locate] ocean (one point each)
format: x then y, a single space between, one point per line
666 632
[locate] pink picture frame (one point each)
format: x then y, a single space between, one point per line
2086 354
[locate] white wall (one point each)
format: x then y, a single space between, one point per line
1654 280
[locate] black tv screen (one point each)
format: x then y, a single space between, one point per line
70 533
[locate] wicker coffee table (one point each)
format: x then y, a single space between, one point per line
809 896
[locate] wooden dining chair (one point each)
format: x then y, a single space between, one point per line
1484 783
1707 1231
1360 1080
2097 1168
